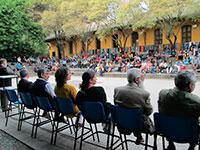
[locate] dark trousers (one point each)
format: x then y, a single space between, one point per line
4 100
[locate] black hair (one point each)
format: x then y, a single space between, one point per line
86 79
60 76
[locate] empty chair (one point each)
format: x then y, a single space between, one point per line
176 129
127 121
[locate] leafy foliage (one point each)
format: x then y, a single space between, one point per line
19 35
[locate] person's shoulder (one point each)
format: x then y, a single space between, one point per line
97 88
120 88
193 97
69 86
164 92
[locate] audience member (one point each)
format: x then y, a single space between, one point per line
91 93
179 101
133 95
64 89
43 88
24 84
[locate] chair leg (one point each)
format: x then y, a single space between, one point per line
76 133
155 142
36 127
7 116
72 122
92 131
34 119
120 135
125 142
108 137
56 132
112 137
146 142
97 132
21 118
68 122
82 132
163 142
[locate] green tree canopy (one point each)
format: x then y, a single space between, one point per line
19 35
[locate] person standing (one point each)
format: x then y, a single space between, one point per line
4 82
133 95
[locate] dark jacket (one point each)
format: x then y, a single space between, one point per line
179 103
5 82
38 88
132 96
24 86
93 94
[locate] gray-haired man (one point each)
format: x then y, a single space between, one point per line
133 95
179 101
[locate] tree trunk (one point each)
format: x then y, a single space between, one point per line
59 43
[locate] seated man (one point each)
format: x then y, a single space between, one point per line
133 95
43 88
24 85
179 101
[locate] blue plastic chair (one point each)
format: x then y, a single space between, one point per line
43 103
64 107
93 113
27 102
127 121
14 102
176 129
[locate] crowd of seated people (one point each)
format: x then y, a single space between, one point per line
152 62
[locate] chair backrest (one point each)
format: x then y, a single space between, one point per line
177 129
93 112
12 95
127 119
43 103
64 106
27 99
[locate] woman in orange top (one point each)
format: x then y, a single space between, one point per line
63 89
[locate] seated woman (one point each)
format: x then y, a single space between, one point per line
90 93
65 90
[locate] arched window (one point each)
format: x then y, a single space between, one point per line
158 36
186 33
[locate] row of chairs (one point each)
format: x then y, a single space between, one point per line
127 121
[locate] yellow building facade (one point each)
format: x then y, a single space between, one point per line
189 32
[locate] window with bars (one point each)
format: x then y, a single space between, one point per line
158 36
186 33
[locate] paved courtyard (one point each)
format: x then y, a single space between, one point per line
65 141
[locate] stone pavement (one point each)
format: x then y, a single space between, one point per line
11 143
